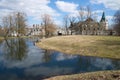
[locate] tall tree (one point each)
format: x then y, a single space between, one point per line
7 23
117 22
14 22
81 12
20 21
72 21
84 13
49 26
89 12
66 24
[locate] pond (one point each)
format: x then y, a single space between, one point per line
20 59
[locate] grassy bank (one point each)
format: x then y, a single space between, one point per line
101 75
101 46
1 38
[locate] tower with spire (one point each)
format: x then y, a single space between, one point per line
104 21
103 17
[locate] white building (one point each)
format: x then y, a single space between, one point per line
35 30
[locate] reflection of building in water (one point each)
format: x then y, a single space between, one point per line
15 49
36 29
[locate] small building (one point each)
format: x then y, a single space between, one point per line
62 31
14 34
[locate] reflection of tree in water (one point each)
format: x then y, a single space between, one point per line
84 63
47 55
116 64
1 41
15 48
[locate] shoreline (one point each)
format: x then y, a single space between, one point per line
60 44
100 47
99 75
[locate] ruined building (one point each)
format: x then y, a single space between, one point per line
91 27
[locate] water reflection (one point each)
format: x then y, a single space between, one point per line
47 55
15 48
27 62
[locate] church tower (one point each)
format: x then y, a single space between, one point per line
104 21
103 17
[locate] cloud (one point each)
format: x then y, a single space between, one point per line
103 63
66 6
114 5
98 12
33 8
109 17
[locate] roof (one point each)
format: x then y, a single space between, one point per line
89 20
103 17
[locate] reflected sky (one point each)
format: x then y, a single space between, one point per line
36 64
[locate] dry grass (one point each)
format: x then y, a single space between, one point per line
1 39
102 46
101 75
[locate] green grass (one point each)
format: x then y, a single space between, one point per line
101 75
101 46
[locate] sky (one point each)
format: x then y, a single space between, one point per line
57 8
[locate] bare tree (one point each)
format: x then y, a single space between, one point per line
117 22
20 21
89 12
7 23
66 24
72 21
1 31
84 13
95 16
81 12
49 26
14 22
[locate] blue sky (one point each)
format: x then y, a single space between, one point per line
57 8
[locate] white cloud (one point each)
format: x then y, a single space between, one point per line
66 6
98 12
33 8
108 3
70 8
109 17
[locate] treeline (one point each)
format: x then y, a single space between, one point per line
85 13
14 23
116 20
17 22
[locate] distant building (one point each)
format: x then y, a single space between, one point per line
35 30
91 27
62 31
14 34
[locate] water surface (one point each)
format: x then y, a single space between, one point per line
20 59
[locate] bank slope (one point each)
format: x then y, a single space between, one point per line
101 46
101 75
